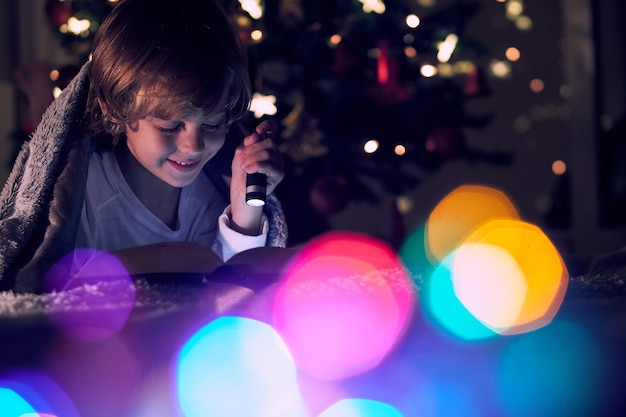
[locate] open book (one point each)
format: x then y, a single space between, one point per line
174 261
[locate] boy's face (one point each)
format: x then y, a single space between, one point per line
176 150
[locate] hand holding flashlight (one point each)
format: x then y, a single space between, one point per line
262 162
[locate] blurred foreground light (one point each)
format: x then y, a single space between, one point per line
566 363
444 309
13 405
343 304
542 269
95 294
413 252
237 367
360 408
459 213
30 393
102 375
494 273
489 283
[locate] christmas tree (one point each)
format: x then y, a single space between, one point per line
364 90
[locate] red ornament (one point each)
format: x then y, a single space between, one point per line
329 194
387 91
59 11
446 142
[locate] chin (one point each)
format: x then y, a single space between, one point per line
180 182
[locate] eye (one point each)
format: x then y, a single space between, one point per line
213 126
169 130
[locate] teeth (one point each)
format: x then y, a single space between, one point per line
183 163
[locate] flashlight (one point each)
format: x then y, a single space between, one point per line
255 189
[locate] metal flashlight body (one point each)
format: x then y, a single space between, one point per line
256 189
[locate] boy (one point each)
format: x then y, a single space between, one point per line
167 79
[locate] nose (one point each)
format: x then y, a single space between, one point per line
191 140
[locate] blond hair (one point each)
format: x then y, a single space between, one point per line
168 59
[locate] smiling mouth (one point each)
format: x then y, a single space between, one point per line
183 165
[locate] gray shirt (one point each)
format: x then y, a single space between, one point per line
113 217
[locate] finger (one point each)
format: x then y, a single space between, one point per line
267 128
264 130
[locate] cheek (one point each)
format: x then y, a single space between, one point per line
215 143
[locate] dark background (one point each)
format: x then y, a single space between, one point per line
575 47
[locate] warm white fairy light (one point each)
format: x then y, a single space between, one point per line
536 85
512 54
524 23
256 35
559 167
446 70
376 6
399 150
404 204
447 47
428 70
335 39
514 8
412 21
462 66
262 105
78 27
252 7
500 69
410 52
371 146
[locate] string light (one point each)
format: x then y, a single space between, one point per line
376 6
536 85
412 21
256 35
512 54
335 39
447 47
500 69
559 167
428 70
252 7
262 105
371 146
